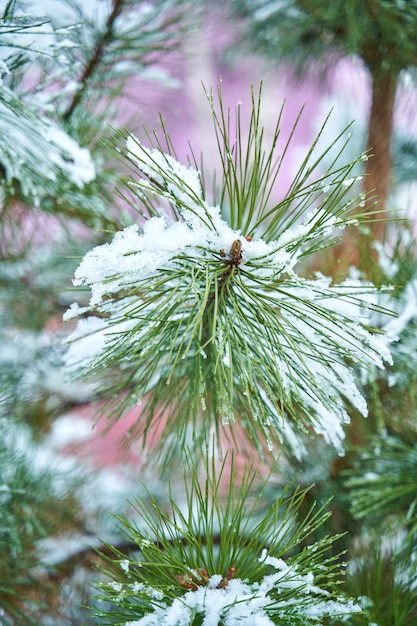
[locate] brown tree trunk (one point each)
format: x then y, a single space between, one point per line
378 167
356 249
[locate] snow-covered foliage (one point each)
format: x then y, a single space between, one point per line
228 577
27 26
33 482
40 148
62 65
396 260
187 299
284 597
55 56
35 148
31 370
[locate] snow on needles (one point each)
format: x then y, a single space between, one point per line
37 152
285 593
135 254
298 333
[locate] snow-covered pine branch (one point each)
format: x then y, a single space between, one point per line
183 301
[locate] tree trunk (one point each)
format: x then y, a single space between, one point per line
378 167
356 248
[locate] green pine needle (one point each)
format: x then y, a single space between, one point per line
200 311
220 538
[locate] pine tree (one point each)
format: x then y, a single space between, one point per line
382 33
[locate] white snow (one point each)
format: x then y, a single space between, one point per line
152 162
70 157
407 313
91 330
3 70
63 13
40 149
68 429
242 603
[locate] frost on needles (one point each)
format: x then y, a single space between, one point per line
200 307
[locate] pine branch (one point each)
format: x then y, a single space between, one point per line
32 508
223 558
383 482
206 298
95 59
385 584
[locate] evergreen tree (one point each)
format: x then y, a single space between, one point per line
382 33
